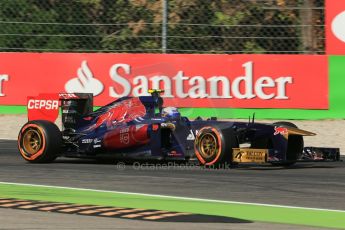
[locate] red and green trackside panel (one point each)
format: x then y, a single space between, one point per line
336 98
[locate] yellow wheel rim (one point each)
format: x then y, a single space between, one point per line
208 145
32 141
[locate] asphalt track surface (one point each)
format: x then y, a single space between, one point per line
314 185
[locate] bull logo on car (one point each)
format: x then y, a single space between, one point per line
280 130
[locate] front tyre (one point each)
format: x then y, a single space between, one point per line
39 141
213 146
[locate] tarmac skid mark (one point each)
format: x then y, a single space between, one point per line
115 212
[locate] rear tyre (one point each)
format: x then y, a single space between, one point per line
39 141
295 146
213 146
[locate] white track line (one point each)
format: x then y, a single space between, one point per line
175 197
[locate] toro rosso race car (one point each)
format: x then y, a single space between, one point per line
141 128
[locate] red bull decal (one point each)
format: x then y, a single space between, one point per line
119 113
280 130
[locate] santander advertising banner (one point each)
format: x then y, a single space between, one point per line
189 80
335 27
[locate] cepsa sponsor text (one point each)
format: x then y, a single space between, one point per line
43 104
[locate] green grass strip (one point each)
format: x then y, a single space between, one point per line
282 114
12 109
263 213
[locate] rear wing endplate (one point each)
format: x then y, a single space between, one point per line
45 106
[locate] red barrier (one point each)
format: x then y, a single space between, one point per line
335 27
190 80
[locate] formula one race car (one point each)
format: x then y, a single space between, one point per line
141 128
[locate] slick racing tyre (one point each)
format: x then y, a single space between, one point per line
39 141
213 146
295 145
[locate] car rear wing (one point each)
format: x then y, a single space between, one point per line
46 107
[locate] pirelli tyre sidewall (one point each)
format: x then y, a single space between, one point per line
213 146
39 141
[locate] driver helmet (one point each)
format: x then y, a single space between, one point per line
171 112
